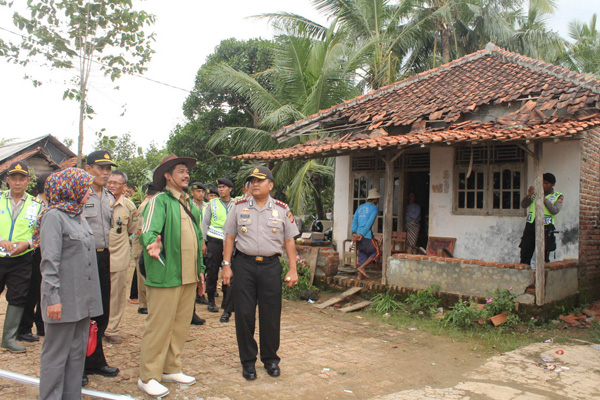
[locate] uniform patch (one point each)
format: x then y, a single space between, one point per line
241 201
560 199
290 216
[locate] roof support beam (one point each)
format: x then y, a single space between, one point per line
388 213
540 257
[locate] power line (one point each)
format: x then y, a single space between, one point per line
106 65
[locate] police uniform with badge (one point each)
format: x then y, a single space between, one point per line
125 217
18 217
213 221
98 212
259 228
552 204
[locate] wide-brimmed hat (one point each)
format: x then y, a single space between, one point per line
373 194
159 179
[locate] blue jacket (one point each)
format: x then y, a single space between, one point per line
363 219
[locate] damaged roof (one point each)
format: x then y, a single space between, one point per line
432 106
489 76
470 131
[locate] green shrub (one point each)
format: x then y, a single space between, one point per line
293 293
424 301
501 301
385 303
463 315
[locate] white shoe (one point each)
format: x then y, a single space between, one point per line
180 378
153 388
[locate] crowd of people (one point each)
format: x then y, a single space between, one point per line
64 257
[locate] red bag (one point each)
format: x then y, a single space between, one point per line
92 338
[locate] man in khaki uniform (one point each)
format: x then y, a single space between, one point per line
259 228
173 259
125 223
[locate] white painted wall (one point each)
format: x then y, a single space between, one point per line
495 238
342 202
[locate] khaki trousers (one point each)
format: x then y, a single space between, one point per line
118 296
165 330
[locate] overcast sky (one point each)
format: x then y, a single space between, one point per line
187 32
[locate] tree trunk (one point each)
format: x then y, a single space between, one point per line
445 38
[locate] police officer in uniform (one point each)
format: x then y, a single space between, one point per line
18 215
552 205
213 221
125 224
263 227
99 214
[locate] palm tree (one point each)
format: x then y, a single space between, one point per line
308 75
585 52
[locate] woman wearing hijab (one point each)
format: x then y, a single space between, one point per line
70 292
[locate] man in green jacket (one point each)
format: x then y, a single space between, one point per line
172 240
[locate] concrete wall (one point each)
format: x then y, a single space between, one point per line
457 277
496 238
561 283
342 200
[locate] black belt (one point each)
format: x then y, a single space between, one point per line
213 239
258 258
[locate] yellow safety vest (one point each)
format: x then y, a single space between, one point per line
548 217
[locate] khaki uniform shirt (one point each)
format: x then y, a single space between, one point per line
98 213
125 220
261 232
189 242
136 246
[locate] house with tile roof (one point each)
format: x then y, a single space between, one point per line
469 138
44 153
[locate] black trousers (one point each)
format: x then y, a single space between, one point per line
528 242
257 283
33 313
97 359
15 274
133 290
214 257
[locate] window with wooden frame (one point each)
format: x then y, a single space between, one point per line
489 180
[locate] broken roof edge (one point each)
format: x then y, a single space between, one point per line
442 137
491 49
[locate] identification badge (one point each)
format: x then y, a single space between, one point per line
275 213
245 216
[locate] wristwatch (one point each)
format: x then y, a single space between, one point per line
224 263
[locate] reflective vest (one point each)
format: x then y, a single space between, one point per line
548 217
218 218
21 230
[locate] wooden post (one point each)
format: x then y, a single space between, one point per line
388 212
540 256
387 215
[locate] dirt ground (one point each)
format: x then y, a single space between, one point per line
329 355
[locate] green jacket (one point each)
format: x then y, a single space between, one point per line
162 217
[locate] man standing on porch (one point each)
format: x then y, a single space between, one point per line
362 234
552 205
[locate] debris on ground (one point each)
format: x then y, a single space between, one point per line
583 319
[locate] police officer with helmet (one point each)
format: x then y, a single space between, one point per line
258 228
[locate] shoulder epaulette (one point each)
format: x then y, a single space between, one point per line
281 204
130 205
36 199
241 201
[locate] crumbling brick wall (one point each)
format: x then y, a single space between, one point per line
589 217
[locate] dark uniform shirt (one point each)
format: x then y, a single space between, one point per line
98 212
260 232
